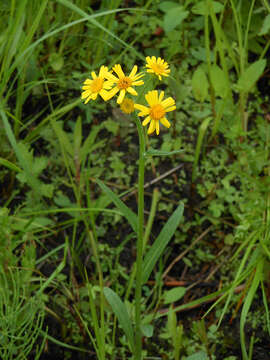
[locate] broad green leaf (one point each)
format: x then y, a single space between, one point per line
147 330
251 75
201 8
129 214
121 313
161 242
174 294
265 26
200 355
219 81
199 84
153 152
174 17
165 6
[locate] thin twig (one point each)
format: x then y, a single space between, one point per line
154 181
179 257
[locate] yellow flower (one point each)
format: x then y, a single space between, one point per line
127 106
156 111
123 83
157 66
96 86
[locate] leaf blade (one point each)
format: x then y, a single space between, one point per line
121 313
161 242
129 214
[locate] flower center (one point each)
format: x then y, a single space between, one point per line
157 112
97 84
158 68
124 83
127 106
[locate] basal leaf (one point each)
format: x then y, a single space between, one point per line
199 84
219 81
174 294
251 75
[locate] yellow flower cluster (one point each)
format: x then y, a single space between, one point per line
107 84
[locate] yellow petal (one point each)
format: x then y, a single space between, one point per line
137 83
103 71
161 96
85 94
121 96
165 122
152 97
168 102
133 71
152 127
144 110
146 120
157 127
118 70
132 91
104 94
171 108
111 93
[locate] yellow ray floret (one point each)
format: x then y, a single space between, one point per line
157 66
122 83
156 111
96 86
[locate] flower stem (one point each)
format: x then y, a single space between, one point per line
139 259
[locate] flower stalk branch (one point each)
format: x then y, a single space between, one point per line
139 259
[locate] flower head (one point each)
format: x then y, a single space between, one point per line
127 106
156 111
123 83
96 86
157 66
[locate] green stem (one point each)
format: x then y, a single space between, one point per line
139 259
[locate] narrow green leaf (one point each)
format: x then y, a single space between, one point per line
10 165
247 303
153 152
129 214
77 137
121 313
250 76
161 242
202 129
